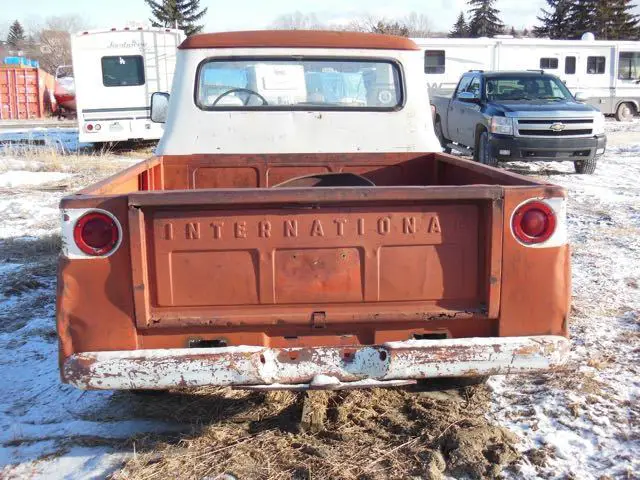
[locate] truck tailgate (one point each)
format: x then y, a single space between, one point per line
316 256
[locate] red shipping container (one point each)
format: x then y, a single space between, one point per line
25 93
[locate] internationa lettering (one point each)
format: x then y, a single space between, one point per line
316 227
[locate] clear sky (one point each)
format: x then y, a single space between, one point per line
257 14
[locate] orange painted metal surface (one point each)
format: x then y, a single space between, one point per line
213 253
25 93
298 39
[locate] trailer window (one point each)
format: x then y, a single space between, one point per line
276 83
434 61
122 71
595 65
570 65
629 66
549 63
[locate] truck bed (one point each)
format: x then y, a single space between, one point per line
215 253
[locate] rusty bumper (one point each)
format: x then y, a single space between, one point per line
317 367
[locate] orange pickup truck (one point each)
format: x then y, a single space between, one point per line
298 228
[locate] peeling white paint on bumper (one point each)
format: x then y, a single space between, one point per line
251 365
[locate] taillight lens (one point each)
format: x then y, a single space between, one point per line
96 234
89 127
534 222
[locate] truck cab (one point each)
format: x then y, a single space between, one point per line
519 116
298 228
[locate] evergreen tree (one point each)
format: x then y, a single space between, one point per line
183 13
513 32
460 29
16 35
390 28
556 22
582 15
614 20
525 33
484 19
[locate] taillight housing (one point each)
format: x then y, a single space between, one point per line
97 233
533 222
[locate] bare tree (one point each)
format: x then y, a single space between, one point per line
51 44
418 24
55 49
298 21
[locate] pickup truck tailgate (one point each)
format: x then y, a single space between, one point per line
318 255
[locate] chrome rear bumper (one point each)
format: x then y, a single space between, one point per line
316 367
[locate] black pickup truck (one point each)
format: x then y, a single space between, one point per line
519 116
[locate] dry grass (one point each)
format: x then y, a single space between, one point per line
42 248
87 165
368 434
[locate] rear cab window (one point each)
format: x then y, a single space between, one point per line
122 71
284 83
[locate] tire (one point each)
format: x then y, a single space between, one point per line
483 153
448 383
443 141
586 166
625 112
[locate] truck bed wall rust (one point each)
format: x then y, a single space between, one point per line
96 297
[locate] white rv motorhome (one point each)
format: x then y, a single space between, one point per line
116 71
606 72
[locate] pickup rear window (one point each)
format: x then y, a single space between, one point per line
299 84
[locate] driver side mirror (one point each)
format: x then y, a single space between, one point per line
581 97
159 107
468 97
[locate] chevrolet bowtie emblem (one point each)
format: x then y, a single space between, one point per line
557 127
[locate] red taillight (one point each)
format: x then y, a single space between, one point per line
534 222
89 127
96 233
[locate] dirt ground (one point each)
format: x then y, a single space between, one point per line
368 434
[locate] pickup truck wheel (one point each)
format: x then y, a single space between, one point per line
625 112
586 166
443 141
448 383
484 154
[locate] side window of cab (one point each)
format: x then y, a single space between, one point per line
474 87
463 85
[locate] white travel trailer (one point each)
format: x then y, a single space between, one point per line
606 72
116 71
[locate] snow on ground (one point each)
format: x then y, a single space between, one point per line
586 424
579 425
21 178
61 139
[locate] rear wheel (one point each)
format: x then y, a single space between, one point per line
625 112
443 141
586 166
484 153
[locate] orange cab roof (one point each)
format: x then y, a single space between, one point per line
298 39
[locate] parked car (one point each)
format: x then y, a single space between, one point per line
293 237
524 116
